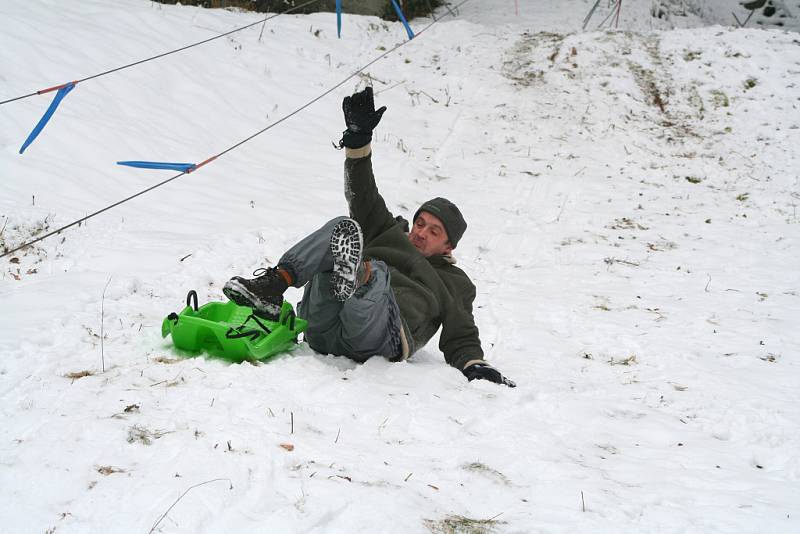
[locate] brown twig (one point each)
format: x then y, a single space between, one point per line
181 497
560 212
494 517
429 96
611 261
370 78
388 88
102 321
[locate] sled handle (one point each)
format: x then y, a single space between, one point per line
192 296
259 323
233 334
288 320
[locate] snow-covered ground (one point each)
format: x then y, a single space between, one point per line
632 201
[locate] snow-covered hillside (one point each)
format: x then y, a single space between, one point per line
633 232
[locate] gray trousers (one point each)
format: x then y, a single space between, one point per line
365 325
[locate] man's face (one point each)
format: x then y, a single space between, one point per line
429 236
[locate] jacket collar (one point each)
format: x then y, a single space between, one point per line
442 259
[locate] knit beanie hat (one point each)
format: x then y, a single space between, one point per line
449 214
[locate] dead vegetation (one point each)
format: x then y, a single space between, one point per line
480 468
14 235
646 81
24 261
630 360
140 434
625 223
524 59
106 470
458 524
166 360
78 375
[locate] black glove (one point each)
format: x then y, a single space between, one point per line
361 118
484 371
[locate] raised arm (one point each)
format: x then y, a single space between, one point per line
365 203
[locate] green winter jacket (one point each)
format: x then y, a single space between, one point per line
430 292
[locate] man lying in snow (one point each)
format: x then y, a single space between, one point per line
371 286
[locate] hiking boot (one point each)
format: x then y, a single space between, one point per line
347 244
264 293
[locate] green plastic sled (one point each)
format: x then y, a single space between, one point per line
225 330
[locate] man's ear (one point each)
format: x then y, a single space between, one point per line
448 248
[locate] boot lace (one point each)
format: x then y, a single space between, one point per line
268 283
